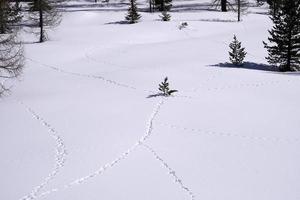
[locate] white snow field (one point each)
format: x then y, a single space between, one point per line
79 125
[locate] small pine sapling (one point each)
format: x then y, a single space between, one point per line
237 53
164 88
165 16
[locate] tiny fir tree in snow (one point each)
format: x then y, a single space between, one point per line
284 47
133 16
165 16
164 88
237 53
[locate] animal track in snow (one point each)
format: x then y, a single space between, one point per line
223 134
86 75
115 161
60 154
171 171
121 67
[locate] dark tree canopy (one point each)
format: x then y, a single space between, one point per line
284 47
163 5
9 15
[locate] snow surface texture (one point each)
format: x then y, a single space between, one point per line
79 124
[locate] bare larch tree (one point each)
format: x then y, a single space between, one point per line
11 59
45 14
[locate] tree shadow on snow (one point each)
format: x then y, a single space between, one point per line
117 22
217 20
156 95
249 65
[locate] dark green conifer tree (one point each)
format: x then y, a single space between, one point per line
237 52
163 5
132 16
164 88
284 47
9 16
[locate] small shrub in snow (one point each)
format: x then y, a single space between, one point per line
165 16
237 53
183 25
164 88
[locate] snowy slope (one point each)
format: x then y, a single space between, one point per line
79 125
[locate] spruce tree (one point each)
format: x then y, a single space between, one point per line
237 53
274 5
284 47
164 88
9 15
44 14
133 16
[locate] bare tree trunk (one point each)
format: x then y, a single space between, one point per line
239 10
224 5
163 5
2 29
41 24
150 6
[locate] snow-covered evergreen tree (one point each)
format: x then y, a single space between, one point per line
133 16
237 53
284 47
9 15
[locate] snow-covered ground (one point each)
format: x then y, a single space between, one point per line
79 125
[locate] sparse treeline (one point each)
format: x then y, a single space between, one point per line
41 14
283 44
238 6
162 6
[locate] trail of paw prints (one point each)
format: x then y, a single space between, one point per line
172 172
60 154
235 86
109 81
248 85
105 62
111 164
227 134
